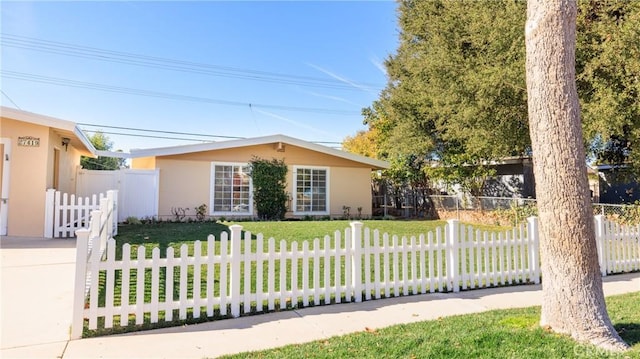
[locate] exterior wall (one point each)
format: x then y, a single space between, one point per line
32 173
185 180
350 187
183 184
28 179
69 161
291 155
143 163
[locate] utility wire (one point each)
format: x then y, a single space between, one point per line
131 91
7 96
149 136
66 49
181 138
156 131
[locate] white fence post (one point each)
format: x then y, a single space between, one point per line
534 249
453 255
356 263
601 243
112 195
48 212
77 321
236 241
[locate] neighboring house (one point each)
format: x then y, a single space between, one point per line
321 181
38 152
513 178
617 185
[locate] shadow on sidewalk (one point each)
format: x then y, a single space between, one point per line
10 242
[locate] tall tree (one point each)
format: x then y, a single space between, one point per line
573 299
456 90
101 143
607 65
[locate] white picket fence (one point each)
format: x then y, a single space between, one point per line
65 213
233 275
90 248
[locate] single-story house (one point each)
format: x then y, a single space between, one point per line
321 181
38 152
514 177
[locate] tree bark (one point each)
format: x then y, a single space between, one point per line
573 300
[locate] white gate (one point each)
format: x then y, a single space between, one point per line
137 189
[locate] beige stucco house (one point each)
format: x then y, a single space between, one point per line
38 152
321 181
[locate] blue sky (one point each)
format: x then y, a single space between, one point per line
239 69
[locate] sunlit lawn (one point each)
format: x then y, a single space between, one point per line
495 334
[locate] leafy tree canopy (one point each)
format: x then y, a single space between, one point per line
456 89
101 143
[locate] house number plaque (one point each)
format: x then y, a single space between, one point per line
29 141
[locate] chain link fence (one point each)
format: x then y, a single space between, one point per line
488 210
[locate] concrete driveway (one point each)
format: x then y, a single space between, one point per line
36 289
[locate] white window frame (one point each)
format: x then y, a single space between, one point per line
294 182
212 191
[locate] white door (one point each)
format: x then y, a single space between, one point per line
5 151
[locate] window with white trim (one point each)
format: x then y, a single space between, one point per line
311 186
231 189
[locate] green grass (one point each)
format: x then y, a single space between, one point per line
165 234
494 334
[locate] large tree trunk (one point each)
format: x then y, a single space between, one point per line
573 301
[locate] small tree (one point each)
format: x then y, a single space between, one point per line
101 143
269 181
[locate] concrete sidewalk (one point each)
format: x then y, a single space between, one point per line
45 334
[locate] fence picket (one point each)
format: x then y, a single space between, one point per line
211 270
327 269
155 284
386 265
110 283
247 259
140 268
368 288
259 271
440 238
396 266
169 282
431 249
295 294
337 267
224 268
197 278
414 266
377 279
316 271
306 290
124 292
283 274
271 273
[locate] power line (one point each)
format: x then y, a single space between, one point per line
7 96
66 49
139 92
156 131
149 136
171 132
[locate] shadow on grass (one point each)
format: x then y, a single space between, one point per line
629 332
